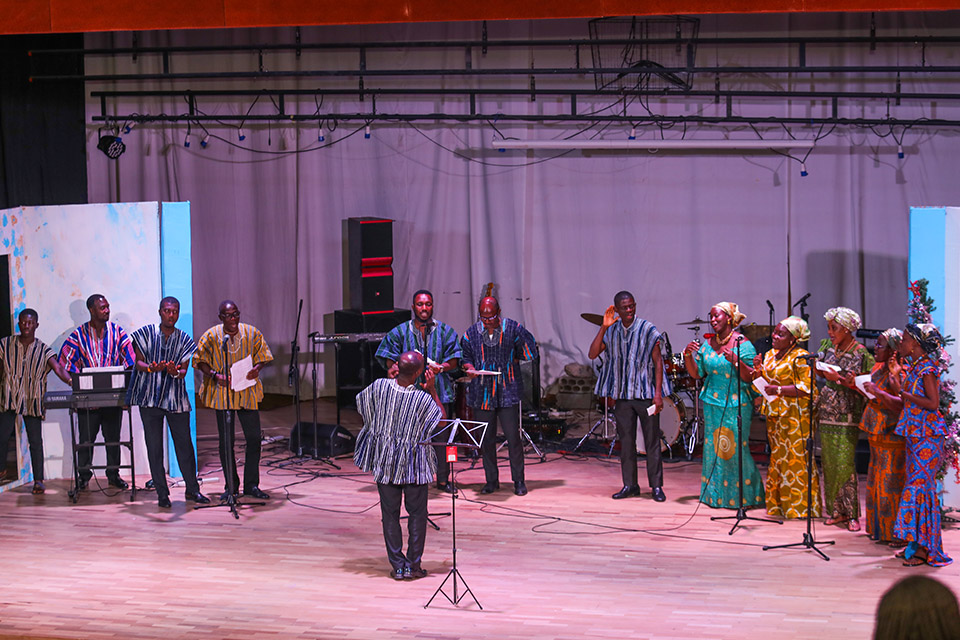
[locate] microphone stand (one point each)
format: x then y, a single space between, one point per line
741 512
229 460
808 540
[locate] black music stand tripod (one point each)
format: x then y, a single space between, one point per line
453 427
230 462
741 512
809 542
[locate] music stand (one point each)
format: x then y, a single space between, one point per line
454 427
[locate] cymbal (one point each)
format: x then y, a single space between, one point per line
593 318
696 320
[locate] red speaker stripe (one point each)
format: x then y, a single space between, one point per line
385 261
376 273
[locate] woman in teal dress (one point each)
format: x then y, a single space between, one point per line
724 394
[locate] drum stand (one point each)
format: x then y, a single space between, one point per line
605 421
524 436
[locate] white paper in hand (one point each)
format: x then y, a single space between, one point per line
761 385
824 366
652 410
238 374
862 380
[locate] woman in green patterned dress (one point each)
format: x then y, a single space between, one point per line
838 412
724 395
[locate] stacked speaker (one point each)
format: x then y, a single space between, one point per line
370 283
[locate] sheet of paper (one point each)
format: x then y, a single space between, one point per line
484 372
860 381
823 366
651 410
760 384
238 374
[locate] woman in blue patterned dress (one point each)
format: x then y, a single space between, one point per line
918 520
724 395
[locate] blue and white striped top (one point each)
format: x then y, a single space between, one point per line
443 345
627 372
160 390
395 420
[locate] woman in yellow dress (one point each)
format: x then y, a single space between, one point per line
788 421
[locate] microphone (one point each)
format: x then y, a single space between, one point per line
669 346
801 300
770 305
812 356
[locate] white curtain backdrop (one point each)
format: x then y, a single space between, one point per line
558 236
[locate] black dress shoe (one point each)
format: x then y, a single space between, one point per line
397 574
119 483
414 574
490 487
164 502
446 487
520 488
658 494
149 486
626 492
255 492
197 497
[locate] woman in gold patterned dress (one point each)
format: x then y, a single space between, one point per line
788 422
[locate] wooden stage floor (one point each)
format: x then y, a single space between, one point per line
564 562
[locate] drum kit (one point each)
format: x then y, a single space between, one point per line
676 425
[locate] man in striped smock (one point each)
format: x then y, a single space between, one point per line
26 362
241 340
158 388
633 376
437 342
497 344
397 417
98 343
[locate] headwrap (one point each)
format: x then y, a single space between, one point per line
733 312
927 335
846 318
797 326
893 336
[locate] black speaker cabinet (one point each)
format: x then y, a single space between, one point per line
356 365
332 440
370 263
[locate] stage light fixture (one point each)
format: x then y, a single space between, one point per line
803 170
112 146
240 135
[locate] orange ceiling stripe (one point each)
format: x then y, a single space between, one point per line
66 16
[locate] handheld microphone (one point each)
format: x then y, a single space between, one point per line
813 356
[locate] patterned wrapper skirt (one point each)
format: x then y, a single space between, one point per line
787 474
885 478
918 519
841 495
720 482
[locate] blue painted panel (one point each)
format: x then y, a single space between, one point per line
176 279
928 232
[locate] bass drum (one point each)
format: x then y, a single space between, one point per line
672 419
